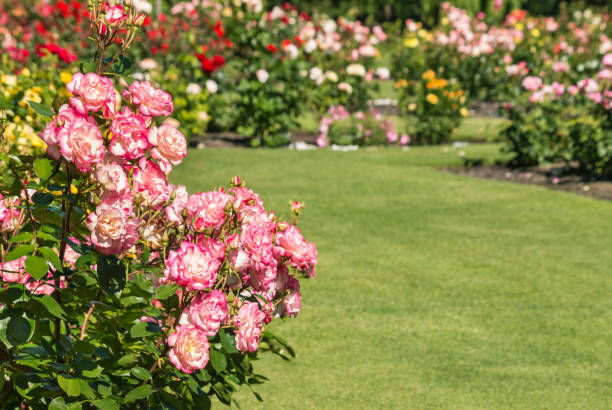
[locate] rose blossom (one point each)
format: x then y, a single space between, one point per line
115 15
49 135
192 266
189 348
262 75
303 254
152 101
207 210
81 142
150 183
169 144
92 92
14 271
257 243
174 211
207 312
111 176
130 132
532 83
249 321
112 229
10 214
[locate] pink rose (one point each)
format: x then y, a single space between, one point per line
216 248
303 255
10 213
207 210
41 287
14 271
152 101
49 135
207 312
189 348
81 142
257 243
532 83
112 230
192 266
169 144
607 60
250 322
92 92
130 135
111 176
115 15
175 210
150 183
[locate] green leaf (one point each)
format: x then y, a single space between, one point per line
71 385
112 274
43 168
106 404
138 393
227 341
141 373
143 329
218 360
52 306
42 199
36 266
86 260
18 252
165 291
22 237
16 328
41 109
51 257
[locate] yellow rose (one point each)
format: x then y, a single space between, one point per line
412 106
464 112
444 21
519 26
429 75
411 42
65 76
10 80
432 99
25 72
535 33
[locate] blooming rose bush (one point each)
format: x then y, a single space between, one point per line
340 127
120 289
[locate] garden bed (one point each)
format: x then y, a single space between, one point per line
551 176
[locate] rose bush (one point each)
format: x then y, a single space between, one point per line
120 289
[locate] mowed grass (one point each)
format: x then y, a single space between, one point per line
433 290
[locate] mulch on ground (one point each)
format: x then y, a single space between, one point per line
552 177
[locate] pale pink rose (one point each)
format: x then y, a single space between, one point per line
119 199
239 260
207 210
532 83
322 141
150 183
169 144
192 266
383 73
70 255
379 33
130 135
207 312
81 142
111 176
367 50
291 304
115 15
10 213
189 348
41 287
152 101
588 85
14 271
174 212
262 279
262 75
216 248
49 135
303 254
256 241
249 322
573 90
560 67
92 92
404 140
112 230
605 74
607 60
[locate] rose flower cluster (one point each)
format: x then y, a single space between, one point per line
236 265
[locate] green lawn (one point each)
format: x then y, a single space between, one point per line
433 290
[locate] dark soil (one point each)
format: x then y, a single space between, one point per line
552 177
